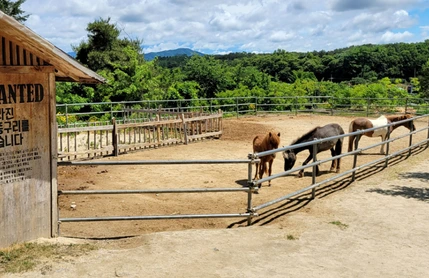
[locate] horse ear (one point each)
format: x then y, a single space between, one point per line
269 133
278 134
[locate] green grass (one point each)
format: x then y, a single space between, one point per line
24 257
291 237
342 226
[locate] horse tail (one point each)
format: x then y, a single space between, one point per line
351 126
352 137
339 146
254 141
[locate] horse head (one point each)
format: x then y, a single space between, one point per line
273 140
290 159
410 125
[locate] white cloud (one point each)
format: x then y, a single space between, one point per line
390 37
217 26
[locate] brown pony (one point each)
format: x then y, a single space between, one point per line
263 143
364 123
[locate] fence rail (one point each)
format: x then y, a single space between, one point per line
250 190
150 124
164 128
354 153
252 210
70 115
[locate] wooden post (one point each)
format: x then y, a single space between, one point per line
115 142
158 131
220 127
185 129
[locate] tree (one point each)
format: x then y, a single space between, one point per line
104 47
424 80
212 75
13 9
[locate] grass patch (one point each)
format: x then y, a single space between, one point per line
24 257
342 226
291 237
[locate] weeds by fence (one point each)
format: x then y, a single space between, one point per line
148 124
101 113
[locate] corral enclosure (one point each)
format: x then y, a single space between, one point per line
235 143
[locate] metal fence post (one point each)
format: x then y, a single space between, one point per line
115 140
406 105
368 102
427 144
256 106
315 167
296 106
67 117
236 105
250 185
411 137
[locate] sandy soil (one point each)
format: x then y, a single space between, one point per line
376 225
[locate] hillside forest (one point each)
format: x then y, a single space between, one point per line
394 71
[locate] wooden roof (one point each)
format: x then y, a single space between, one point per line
20 46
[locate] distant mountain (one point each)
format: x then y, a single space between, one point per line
166 53
174 52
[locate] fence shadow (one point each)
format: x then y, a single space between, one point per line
301 201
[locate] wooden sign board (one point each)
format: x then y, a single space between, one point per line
27 176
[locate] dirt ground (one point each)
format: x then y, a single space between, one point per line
376 225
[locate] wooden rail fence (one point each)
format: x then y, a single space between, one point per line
159 128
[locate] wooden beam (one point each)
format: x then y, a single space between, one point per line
26 69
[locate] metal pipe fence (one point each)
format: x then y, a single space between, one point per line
354 153
75 114
250 190
251 209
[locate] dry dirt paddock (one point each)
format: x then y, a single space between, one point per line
376 225
236 143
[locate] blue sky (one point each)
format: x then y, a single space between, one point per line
218 27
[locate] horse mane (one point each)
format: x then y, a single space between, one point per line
272 136
397 118
304 137
266 142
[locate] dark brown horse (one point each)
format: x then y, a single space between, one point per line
263 143
364 123
335 145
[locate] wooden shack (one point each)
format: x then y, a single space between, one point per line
29 68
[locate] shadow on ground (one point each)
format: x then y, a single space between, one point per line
300 201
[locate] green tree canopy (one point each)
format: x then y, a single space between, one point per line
104 47
13 9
